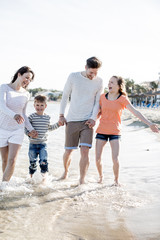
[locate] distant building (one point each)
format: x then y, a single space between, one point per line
147 84
151 98
50 95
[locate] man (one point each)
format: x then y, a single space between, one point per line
84 89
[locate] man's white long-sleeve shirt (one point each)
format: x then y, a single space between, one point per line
85 95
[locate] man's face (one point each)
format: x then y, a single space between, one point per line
91 72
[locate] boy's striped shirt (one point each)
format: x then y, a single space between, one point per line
41 123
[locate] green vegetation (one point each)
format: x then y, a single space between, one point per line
36 90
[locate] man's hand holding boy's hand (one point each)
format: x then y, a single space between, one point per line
62 120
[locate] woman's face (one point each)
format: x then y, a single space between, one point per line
113 86
25 79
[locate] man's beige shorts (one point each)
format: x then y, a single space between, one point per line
78 133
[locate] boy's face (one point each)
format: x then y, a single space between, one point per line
40 107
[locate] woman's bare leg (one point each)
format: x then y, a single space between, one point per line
13 150
4 156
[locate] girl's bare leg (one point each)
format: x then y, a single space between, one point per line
115 145
99 148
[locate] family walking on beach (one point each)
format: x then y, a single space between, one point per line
87 104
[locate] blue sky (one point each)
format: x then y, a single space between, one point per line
55 37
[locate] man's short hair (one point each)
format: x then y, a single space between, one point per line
40 98
93 62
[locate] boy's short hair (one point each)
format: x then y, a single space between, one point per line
93 62
40 98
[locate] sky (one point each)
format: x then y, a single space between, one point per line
55 37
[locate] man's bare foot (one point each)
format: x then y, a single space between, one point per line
64 176
100 179
81 181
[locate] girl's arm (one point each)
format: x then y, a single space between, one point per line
139 115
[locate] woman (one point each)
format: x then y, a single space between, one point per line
13 119
111 106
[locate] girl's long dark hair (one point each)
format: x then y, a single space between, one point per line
22 70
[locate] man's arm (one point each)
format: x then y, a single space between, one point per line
65 97
96 104
92 121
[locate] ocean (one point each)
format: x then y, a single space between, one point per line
64 210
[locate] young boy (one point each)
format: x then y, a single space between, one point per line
38 146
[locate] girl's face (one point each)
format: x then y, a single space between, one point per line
113 86
25 79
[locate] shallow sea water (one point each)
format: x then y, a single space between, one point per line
63 210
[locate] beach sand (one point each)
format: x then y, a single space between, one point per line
61 210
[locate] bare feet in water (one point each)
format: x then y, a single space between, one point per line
100 179
64 176
81 181
44 177
116 184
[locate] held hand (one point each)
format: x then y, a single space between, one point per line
91 123
62 121
154 128
33 134
19 119
99 114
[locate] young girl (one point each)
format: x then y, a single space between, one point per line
13 119
111 106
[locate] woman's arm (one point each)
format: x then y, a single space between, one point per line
27 122
139 115
3 106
